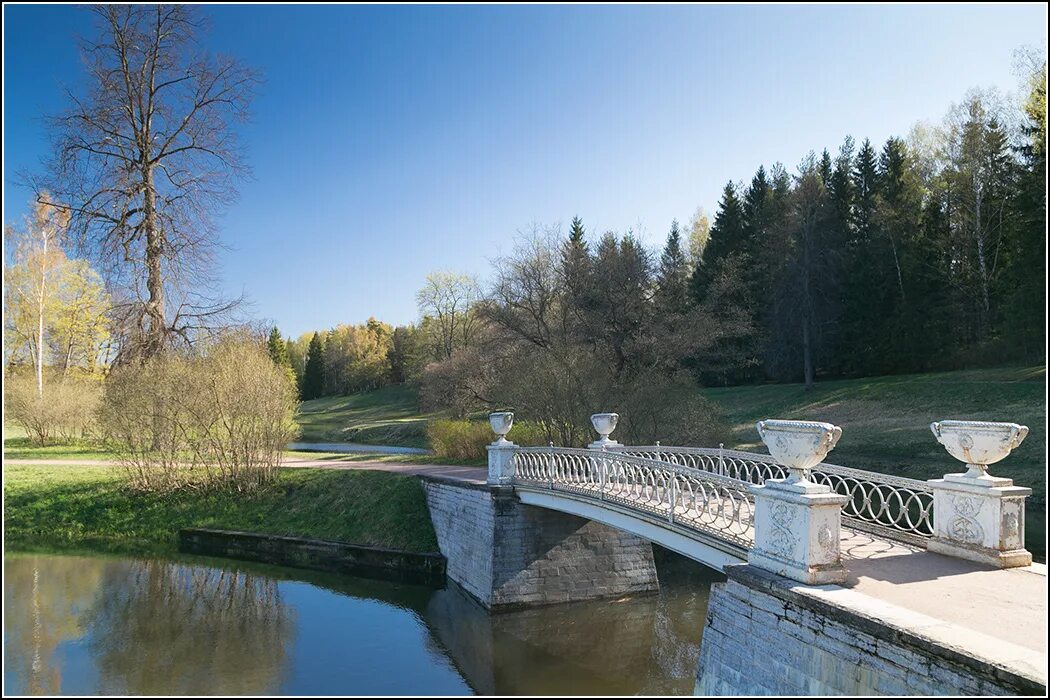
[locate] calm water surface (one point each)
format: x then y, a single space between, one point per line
84 625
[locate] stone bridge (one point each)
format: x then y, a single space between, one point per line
851 573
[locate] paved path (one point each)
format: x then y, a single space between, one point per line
474 474
356 448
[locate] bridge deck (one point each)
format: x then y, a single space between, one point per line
1005 604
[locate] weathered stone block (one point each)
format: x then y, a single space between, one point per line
508 555
817 649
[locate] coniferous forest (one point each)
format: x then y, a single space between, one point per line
917 254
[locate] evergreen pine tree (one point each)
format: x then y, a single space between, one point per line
276 348
575 265
865 186
825 169
839 234
862 265
672 279
313 376
899 214
727 234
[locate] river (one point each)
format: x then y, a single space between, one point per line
106 625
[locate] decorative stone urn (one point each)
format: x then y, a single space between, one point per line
501 452
979 443
501 424
797 522
978 516
799 445
604 424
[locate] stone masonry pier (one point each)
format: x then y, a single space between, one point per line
509 555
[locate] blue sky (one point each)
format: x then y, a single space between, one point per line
388 142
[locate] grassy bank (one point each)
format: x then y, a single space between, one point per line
79 507
387 416
885 422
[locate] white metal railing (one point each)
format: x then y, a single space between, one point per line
891 506
683 495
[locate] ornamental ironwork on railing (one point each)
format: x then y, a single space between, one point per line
894 507
686 496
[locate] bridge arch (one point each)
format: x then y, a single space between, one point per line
705 549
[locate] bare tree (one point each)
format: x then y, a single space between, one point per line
449 298
146 158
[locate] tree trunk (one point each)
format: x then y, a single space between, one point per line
156 325
40 320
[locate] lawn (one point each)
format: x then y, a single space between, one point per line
78 507
387 416
885 422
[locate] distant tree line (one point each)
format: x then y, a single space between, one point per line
924 253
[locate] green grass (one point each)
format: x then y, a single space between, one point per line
885 422
90 507
23 448
387 416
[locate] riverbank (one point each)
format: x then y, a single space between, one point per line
67 507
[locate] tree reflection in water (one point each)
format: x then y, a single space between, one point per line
163 627
122 626
43 602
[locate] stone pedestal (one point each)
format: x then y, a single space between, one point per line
980 519
797 531
501 462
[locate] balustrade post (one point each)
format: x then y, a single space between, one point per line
603 466
977 516
501 452
721 461
550 466
796 521
671 500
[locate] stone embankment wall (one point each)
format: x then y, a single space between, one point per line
766 635
509 555
319 555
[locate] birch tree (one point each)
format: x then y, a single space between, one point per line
32 280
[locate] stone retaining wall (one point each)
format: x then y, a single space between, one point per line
509 555
767 636
319 555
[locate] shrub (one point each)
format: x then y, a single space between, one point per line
66 412
217 419
459 439
531 434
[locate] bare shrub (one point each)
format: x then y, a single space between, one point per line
459 439
217 419
65 413
458 384
671 410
